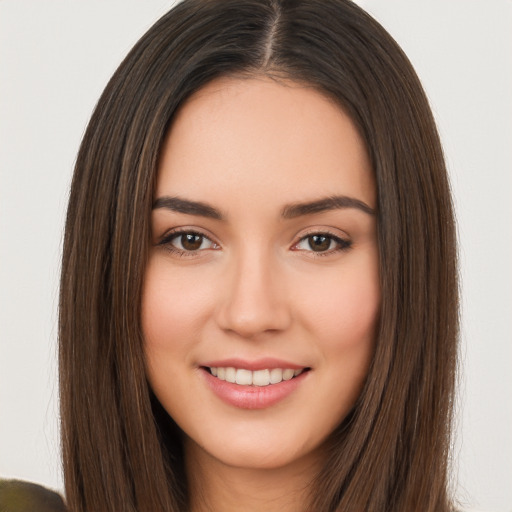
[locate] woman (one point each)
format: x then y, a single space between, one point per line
258 303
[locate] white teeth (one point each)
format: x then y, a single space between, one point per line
231 375
261 378
244 377
257 378
287 374
276 375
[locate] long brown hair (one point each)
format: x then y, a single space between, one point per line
121 451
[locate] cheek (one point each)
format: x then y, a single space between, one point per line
173 307
343 312
343 318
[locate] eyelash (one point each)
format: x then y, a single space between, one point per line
166 243
342 244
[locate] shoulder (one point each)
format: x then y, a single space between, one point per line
19 496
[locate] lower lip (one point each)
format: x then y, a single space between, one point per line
252 397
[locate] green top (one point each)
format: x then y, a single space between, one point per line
18 496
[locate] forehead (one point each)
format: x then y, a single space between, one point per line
257 137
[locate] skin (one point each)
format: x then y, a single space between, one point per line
255 288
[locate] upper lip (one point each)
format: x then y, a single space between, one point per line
266 363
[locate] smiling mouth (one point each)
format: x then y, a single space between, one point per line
260 378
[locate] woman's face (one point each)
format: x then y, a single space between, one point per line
263 269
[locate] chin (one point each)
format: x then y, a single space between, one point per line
252 450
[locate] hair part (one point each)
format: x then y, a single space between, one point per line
121 451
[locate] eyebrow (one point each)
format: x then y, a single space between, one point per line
290 211
325 204
177 204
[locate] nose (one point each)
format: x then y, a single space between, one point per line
255 300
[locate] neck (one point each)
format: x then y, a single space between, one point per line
218 487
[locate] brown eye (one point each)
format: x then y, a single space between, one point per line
191 241
319 243
322 244
184 242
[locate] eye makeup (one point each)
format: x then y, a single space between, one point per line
190 243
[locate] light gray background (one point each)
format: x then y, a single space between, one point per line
55 59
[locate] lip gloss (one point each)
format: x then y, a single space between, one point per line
252 397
